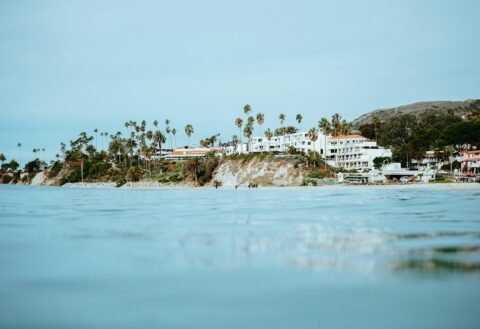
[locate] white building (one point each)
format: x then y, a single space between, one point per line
343 151
299 142
471 162
354 152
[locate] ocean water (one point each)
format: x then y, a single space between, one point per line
264 258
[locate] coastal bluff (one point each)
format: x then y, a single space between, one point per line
264 172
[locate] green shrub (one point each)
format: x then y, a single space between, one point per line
134 174
6 179
55 169
74 177
310 182
317 175
120 181
34 166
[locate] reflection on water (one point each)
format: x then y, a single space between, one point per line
434 265
177 258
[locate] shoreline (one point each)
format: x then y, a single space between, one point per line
160 186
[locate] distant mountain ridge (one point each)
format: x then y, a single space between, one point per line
460 108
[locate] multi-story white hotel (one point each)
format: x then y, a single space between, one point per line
343 151
354 152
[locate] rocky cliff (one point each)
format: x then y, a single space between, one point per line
264 172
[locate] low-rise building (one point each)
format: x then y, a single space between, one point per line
471 162
190 153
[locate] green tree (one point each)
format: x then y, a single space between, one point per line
299 119
235 143
247 132
239 124
336 125
96 137
326 128
379 161
189 131
247 109
19 145
313 135
14 165
260 121
174 133
268 135
281 117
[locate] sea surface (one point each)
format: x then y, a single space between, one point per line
263 258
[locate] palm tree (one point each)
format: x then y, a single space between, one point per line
101 138
189 131
247 132
336 124
260 121
281 117
311 156
168 131
247 109
313 135
155 123
2 158
449 150
34 153
345 127
174 133
96 137
239 124
19 145
149 135
299 119
235 143
159 138
43 153
326 129
268 135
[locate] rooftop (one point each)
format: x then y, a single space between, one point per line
353 136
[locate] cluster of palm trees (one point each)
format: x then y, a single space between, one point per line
40 152
248 128
336 126
139 142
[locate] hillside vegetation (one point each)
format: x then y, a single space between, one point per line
410 135
460 109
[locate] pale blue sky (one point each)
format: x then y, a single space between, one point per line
71 66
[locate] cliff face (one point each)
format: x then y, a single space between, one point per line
458 108
266 172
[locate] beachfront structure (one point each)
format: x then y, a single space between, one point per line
354 152
191 153
471 162
389 172
342 151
